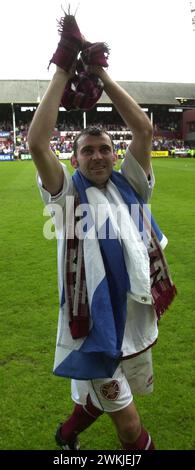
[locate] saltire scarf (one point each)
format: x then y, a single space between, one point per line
162 288
105 296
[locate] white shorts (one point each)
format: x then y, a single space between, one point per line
133 375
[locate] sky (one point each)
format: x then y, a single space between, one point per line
149 40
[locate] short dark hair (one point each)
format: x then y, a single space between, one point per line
96 131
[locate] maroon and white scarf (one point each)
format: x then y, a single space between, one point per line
73 52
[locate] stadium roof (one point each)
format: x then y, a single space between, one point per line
30 91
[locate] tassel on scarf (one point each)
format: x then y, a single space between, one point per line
70 43
163 297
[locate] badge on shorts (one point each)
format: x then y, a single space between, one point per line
110 390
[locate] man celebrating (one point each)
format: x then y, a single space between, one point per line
112 287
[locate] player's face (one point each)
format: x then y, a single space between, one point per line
95 158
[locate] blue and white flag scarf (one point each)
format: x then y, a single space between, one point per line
108 268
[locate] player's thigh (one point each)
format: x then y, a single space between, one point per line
139 372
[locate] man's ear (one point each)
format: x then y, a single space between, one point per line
74 161
114 158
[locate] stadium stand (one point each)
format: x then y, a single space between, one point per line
174 123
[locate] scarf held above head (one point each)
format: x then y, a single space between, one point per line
73 52
102 268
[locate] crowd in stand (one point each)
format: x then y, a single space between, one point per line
62 141
165 122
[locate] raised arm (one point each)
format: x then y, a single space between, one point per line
40 133
135 119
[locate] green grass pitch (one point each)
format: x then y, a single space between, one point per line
32 400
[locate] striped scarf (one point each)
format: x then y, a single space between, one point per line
73 52
99 274
162 288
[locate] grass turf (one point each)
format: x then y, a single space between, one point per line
33 401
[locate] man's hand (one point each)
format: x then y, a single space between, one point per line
70 74
97 70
